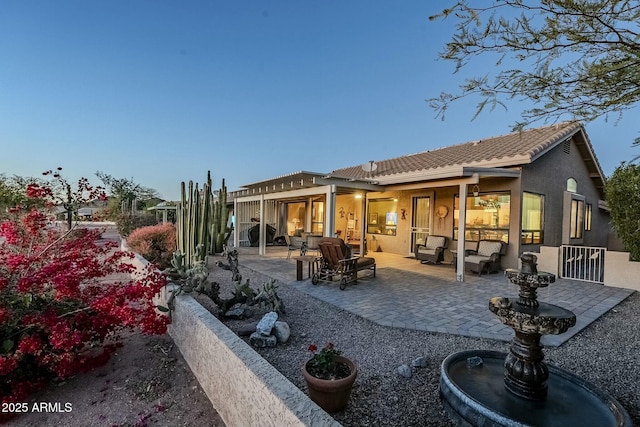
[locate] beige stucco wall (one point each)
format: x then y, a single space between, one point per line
548 259
619 271
400 243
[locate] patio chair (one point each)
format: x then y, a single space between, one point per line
431 251
336 260
486 258
312 243
295 243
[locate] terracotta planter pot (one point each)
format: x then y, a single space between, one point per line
331 395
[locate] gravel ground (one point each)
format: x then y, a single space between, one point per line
605 354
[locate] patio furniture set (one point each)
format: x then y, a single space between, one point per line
484 259
335 257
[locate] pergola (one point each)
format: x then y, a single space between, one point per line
164 208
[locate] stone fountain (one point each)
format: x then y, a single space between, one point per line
489 388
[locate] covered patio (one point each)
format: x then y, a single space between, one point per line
408 294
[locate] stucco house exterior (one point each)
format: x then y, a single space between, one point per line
538 187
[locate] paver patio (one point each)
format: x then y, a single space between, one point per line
407 294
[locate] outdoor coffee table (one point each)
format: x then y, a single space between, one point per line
310 259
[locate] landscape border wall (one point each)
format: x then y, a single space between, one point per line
244 388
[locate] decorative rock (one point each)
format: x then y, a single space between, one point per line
248 329
474 362
420 362
282 331
404 371
238 311
260 341
266 324
303 335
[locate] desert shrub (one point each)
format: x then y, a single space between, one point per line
59 315
622 190
128 222
155 242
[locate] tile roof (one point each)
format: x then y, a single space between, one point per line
500 151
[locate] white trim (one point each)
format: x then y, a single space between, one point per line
284 194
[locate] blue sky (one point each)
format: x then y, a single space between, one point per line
162 91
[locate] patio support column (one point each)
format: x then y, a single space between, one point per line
363 224
308 219
330 226
462 231
236 229
262 240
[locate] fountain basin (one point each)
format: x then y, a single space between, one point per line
545 319
534 280
476 396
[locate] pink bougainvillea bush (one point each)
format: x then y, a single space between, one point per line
64 297
156 243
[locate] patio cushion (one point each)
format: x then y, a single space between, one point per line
475 259
434 242
365 262
424 250
486 248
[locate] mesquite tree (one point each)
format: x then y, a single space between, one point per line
579 58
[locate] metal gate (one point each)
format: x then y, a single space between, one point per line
583 263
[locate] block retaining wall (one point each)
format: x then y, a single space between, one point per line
243 388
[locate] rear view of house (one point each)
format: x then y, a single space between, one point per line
536 188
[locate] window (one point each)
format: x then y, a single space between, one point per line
577 219
382 216
488 217
587 217
572 185
532 219
296 214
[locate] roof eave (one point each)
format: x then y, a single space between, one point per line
457 171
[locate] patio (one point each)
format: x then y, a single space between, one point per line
408 294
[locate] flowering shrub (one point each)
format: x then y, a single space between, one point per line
63 300
156 243
323 364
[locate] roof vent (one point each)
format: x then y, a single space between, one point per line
477 142
566 146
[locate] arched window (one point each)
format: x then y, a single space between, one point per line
572 185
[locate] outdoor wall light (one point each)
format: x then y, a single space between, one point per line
476 190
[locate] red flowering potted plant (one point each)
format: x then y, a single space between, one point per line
329 377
